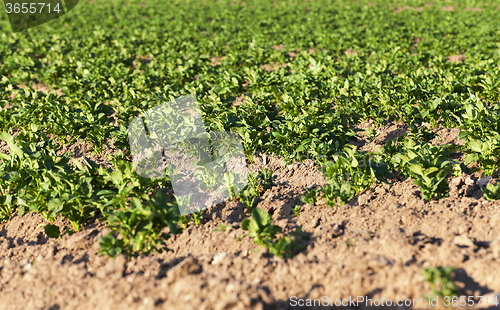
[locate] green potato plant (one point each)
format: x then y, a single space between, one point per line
263 232
311 197
260 227
229 181
257 183
371 134
247 196
208 178
47 184
429 166
305 107
140 227
349 173
485 153
441 281
491 192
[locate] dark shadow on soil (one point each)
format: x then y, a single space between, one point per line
10 241
165 267
470 287
83 259
237 211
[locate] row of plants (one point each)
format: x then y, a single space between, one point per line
307 104
34 178
334 65
411 155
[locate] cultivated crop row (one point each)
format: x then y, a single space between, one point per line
293 82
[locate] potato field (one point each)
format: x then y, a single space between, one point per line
367 136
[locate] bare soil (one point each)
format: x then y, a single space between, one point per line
376 247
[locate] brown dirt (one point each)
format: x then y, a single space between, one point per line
292 54
456 58
273 67
473 9
349 52
239 100
278 47
143 59
388 132
8 105
83 150
376 246
37 86
400 9
214 61
394 130
416 40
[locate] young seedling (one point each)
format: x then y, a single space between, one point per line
491 192
310 197
253 182
198 217
350 242
263 232
288 246
267 178
422 133
441 282
260 227
184 220
140 227
349 173
264 179
296 210
207 176
228 182
459 169
485 153
371 134
247 196
330 195
222 227
429 166
52 231
337 194
183 201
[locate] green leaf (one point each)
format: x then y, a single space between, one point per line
55 205
110 245
52 231
476 145
12 145
77 163
417 169
262 217
245 224
431 170
354 162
